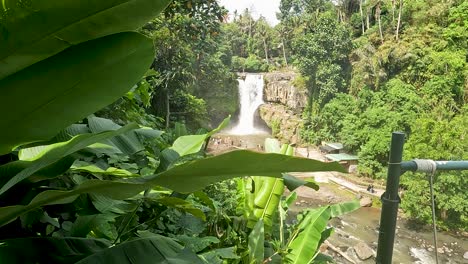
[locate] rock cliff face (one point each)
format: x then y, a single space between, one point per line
284 124
283 106
279 89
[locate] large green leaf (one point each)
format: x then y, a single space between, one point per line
31 31
105 204
217 255
195 175
303 247
155 249
56 152
186 145
344 208
49 250
188 177
293 183
43 99
7 171
197 244
84 224
112 189
80 166
268 191
182 205
128 142
256 240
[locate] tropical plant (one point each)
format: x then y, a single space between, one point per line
266 210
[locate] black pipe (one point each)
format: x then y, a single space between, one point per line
390 201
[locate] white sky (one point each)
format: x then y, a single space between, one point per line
266 8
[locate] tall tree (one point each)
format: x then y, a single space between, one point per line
322 55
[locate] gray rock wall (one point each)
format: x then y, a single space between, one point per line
284 105
279 89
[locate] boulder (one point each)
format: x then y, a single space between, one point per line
363 251
365 202
465 256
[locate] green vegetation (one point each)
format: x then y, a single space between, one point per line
371 68
76 187
97 161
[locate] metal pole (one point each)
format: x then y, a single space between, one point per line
390 201
440 165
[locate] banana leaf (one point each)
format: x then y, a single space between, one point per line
293 183
7 171
197 244
58 151
98 223
268 194
155 249
190 144
36 30
344 208
95 170
182 205
49 249
195 175
127 142
186 178
43 99
217 255
303 248
256 241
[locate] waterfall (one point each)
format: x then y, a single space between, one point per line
251 97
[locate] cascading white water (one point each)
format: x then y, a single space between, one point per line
251 97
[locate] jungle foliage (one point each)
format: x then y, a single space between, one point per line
79 188
371 68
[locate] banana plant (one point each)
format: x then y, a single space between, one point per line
49 27
262 195
71 59
311 231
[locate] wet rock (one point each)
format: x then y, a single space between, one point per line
350 252
363 251
465 256
366 202
440 250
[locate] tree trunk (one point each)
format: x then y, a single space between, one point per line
266 50
284 52
399 21
168 110
362 16
377 16
367 19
